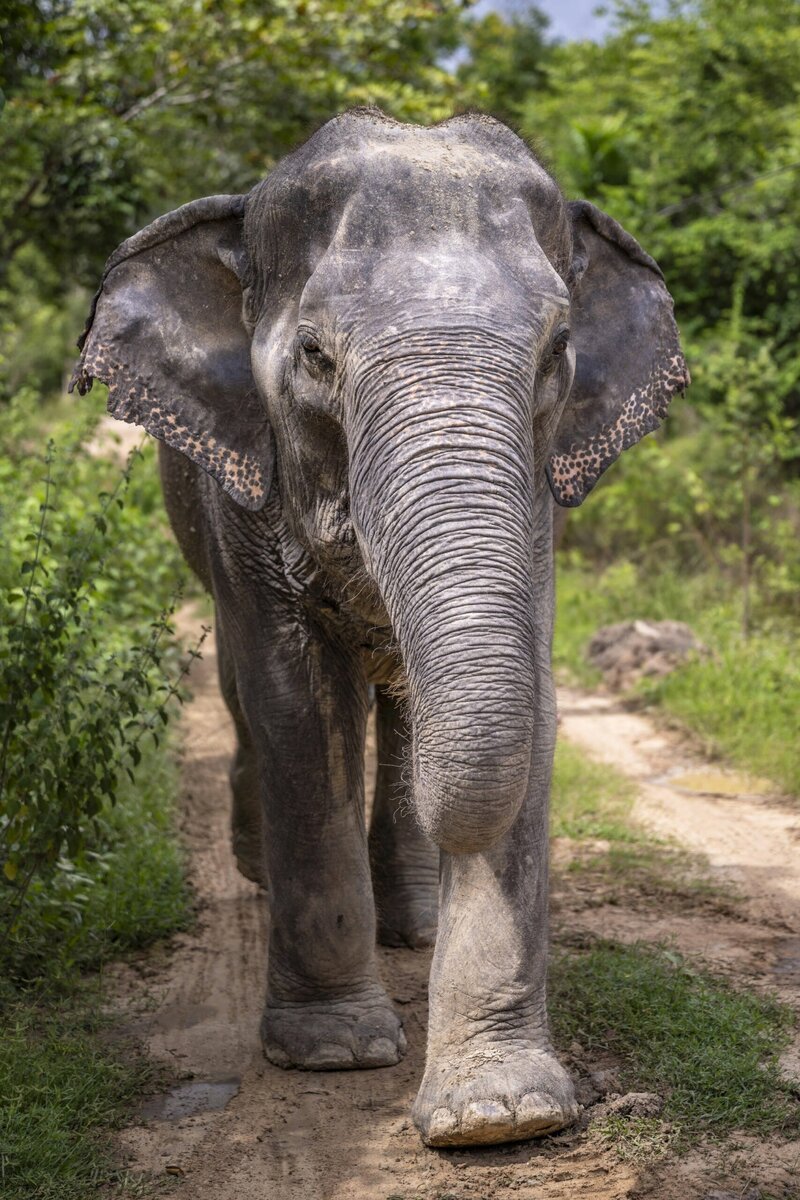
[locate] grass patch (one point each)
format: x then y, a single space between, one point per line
711 1051
637 1139
63 1087
64 1082
743 700
589 799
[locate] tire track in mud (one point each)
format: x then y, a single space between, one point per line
237 1128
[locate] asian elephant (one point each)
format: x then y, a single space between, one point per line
368 376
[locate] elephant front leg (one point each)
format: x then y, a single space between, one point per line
247 833
405 864
491 1074
326 1008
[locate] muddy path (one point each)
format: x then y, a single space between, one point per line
236 1128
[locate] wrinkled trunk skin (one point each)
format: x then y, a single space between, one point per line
441 485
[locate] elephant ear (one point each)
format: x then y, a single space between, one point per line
629 362
165 333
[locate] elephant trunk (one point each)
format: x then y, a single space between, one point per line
441 477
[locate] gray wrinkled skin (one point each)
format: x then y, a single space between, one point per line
368 377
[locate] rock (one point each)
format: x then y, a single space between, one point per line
633 650
635 1104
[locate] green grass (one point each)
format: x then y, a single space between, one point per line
63 1086
710 1050
745 702
65 1083
742 701
589 799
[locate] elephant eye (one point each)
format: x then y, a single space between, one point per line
313 353
556 352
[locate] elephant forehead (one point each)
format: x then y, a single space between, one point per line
364 183
424 159
416 180
440 280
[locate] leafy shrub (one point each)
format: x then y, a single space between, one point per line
86 591
125 888
709 497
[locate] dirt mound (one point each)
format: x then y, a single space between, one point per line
632 650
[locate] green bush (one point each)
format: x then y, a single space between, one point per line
91 862
678 503
125 888
87 670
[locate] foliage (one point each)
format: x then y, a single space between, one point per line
112 879
684 124
81 692
506 60
711 1051
123 889
686 127
678 504
103 98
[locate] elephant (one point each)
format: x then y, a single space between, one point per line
369 378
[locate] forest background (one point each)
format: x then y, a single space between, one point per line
683 123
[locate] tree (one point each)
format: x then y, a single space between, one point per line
686 127
114 112
506 61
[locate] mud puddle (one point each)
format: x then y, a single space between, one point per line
711 782
186 1099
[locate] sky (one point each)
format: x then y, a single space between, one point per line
568 18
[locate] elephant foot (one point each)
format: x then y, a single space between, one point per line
500 1092
408 921
335 1035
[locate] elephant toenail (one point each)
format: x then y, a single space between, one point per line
537 1112
441 1128
276 1055
328 1056
383 1052
483 1117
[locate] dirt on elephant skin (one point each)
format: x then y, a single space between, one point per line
234 1127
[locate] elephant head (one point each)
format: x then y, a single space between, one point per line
415 332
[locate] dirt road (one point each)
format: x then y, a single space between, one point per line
237 1128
